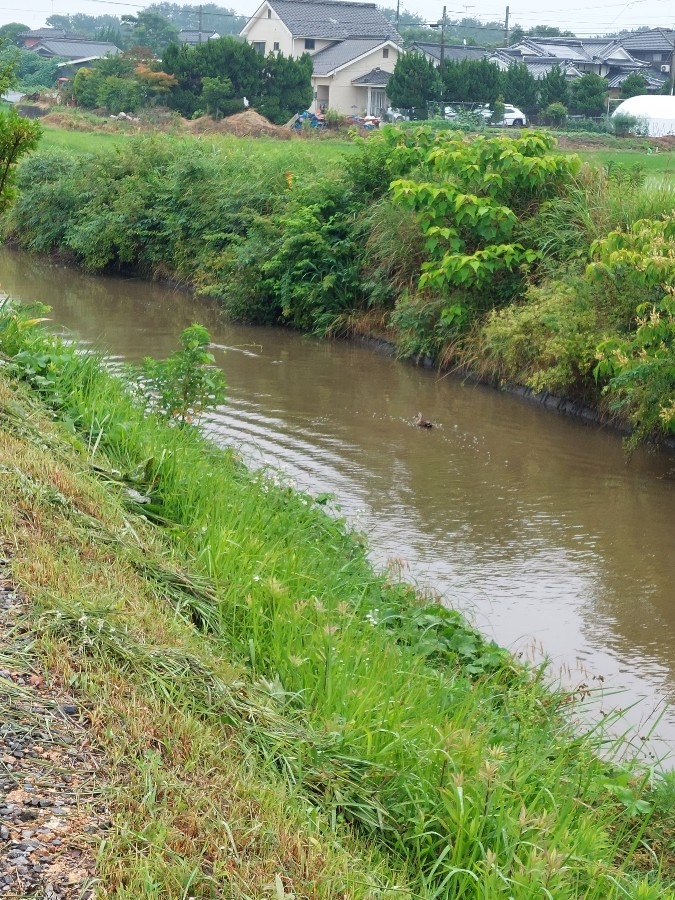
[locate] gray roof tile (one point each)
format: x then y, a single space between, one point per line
659 39
77 49
376 76
339 54
330 20
452 53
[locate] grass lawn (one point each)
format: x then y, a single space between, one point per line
661 163
79 141
312 151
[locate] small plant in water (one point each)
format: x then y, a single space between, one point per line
186 384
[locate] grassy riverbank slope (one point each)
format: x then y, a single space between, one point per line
249 676
494 253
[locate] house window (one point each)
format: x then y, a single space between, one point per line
657 57
309 43
385 53
269 13
276 45
259 47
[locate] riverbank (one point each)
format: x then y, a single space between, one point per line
498 255
444 768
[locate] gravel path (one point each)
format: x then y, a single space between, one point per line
52 816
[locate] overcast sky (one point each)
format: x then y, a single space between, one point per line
594 17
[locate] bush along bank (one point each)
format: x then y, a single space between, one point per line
429 752
497 254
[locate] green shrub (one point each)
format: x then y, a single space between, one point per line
555 114
547 342
640 366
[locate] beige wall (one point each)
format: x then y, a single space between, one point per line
345 97
299 46
269 31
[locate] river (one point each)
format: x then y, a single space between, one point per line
535 525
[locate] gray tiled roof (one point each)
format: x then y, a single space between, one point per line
193 37
376 77
659 39
339 54
44 33
77 49
654 80
537 66
541 68
333 21
452 52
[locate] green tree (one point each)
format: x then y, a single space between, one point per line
151 30
119 94
17 137
119 66
520 88
86 85
634 85
12 32
548 31
554 88
215 93
287 86
414 82
588 95
277 85
471 81
82 24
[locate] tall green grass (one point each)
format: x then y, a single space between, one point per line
431 741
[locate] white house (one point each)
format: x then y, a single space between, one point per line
353 46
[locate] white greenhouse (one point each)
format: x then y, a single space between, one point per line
655 112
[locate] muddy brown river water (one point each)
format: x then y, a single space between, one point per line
535 525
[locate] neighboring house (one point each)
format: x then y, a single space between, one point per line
654 82
451 52
71 49
575 57
353 46
655 47
197 37
31 38
69 68
537 66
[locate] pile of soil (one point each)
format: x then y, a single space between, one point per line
248 123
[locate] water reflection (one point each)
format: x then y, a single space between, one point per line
535 524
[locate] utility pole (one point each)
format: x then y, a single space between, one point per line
672 67
442 41
200 23
506 28
398 12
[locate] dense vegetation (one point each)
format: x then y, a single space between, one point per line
402 729
493 253
416 84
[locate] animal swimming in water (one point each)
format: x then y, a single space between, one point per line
422 423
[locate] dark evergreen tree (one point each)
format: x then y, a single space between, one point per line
415 81
588 95
277 85
520 88
471 81
287 86
634 85
554 88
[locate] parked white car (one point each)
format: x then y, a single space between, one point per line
513 117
